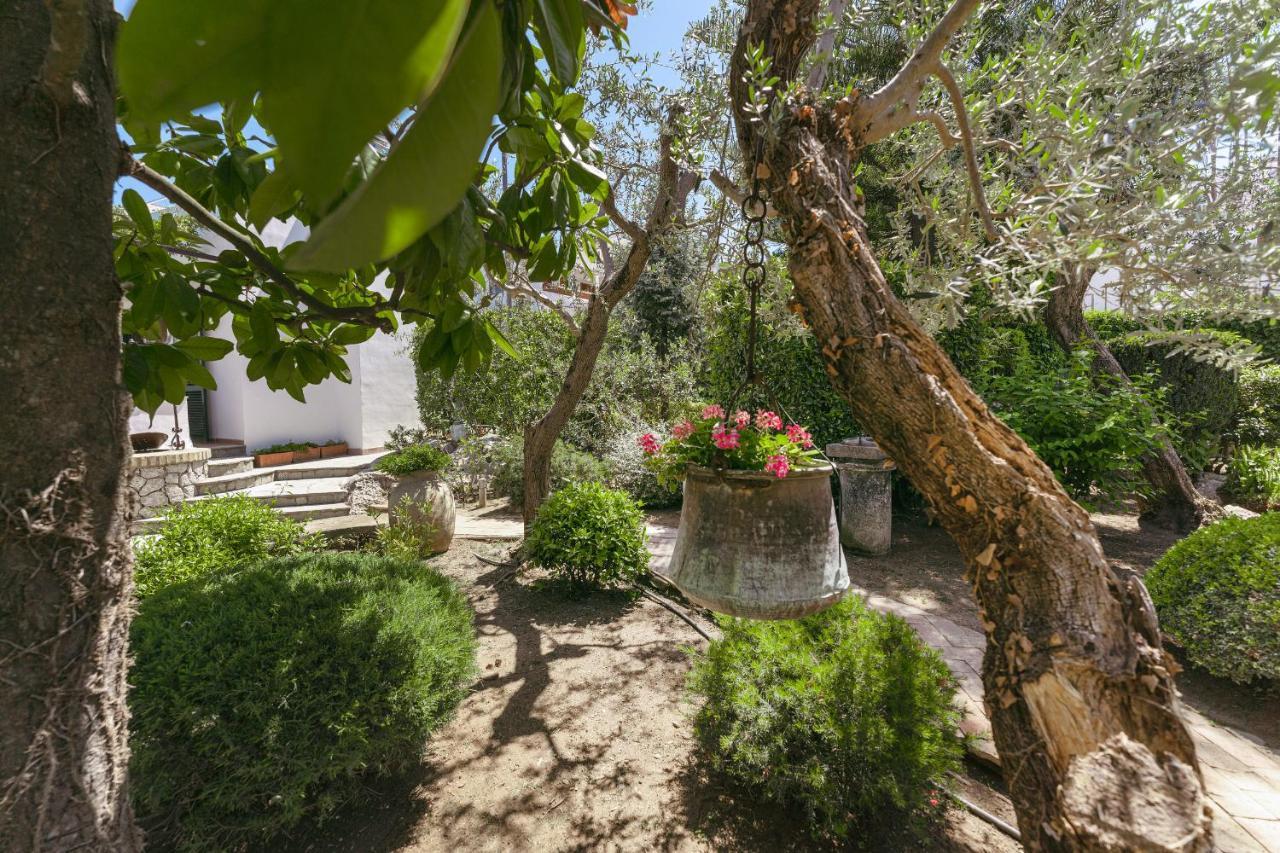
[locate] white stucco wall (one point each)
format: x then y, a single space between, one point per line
139 421
387 386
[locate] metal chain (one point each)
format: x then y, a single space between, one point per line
754 208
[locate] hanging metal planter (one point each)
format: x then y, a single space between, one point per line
753 545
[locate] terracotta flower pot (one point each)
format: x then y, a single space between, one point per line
311 454
755 545
328 451
270 460
431 495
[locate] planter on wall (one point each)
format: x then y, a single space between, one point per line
328 451
433 503
269 460
311 454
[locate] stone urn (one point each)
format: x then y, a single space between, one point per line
758 546
433 503
866 495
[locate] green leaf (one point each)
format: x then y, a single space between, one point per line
589 179
174 57
139 212
501 340
273 196
204 349
345 70
263 325
562 35
422 179
349 334
197 374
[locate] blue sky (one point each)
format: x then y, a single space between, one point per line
659 29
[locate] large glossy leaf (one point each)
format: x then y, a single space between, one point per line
562 34
176 56
341 73
427 173
138 212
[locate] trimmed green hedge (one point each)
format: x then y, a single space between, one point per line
589 536
1258 419
1217 592
845 716
261 697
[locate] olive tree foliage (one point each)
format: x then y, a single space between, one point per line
1136 139
380 132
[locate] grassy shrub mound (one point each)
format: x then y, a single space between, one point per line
1253 478
845 716
589 535
261 696
1217 593
216 533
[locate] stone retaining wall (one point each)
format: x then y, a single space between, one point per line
162 478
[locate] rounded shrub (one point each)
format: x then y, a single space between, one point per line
589 535
845 716
412 459
1217 593
203 536
261 696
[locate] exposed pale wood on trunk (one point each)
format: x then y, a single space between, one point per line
1080 692
65 574
1177 502
674 186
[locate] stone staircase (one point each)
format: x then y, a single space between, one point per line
303 491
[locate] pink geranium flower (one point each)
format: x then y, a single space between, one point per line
778 465
768 420
799 435
682 430
712 411
742 419
649 443
725 439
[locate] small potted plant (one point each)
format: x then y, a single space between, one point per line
758 535
430 500
306 451
275 454
333 448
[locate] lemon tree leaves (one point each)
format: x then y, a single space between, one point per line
330 77
424 176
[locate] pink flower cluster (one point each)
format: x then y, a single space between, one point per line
768 420
778 465
682 430
649 443
725 439
742 419
799 435
712 411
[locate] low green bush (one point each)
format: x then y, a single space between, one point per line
412 459
1202 395
568 465
1217 593
845 716
1258 418
1091 429
203 536
588 535
1253 478
261 697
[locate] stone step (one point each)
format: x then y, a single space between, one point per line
227 450
307 492
219 485
357 527
338 466
230 465
311 512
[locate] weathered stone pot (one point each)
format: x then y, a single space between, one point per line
866 495
433 503
753 545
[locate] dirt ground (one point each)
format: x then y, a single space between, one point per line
577 736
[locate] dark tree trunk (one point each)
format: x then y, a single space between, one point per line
540 437
65 581
1176 502
1079 690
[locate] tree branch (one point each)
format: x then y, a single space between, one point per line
365 315
734 192
970 154
628 227
826 44
527 290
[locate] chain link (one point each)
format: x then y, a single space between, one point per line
754 257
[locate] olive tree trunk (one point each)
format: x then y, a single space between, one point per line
1078 688
1176 502
674 186
65 579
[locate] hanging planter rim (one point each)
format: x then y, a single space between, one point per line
703 472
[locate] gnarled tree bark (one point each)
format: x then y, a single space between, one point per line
674 186
65 577
1176 502
1079 690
